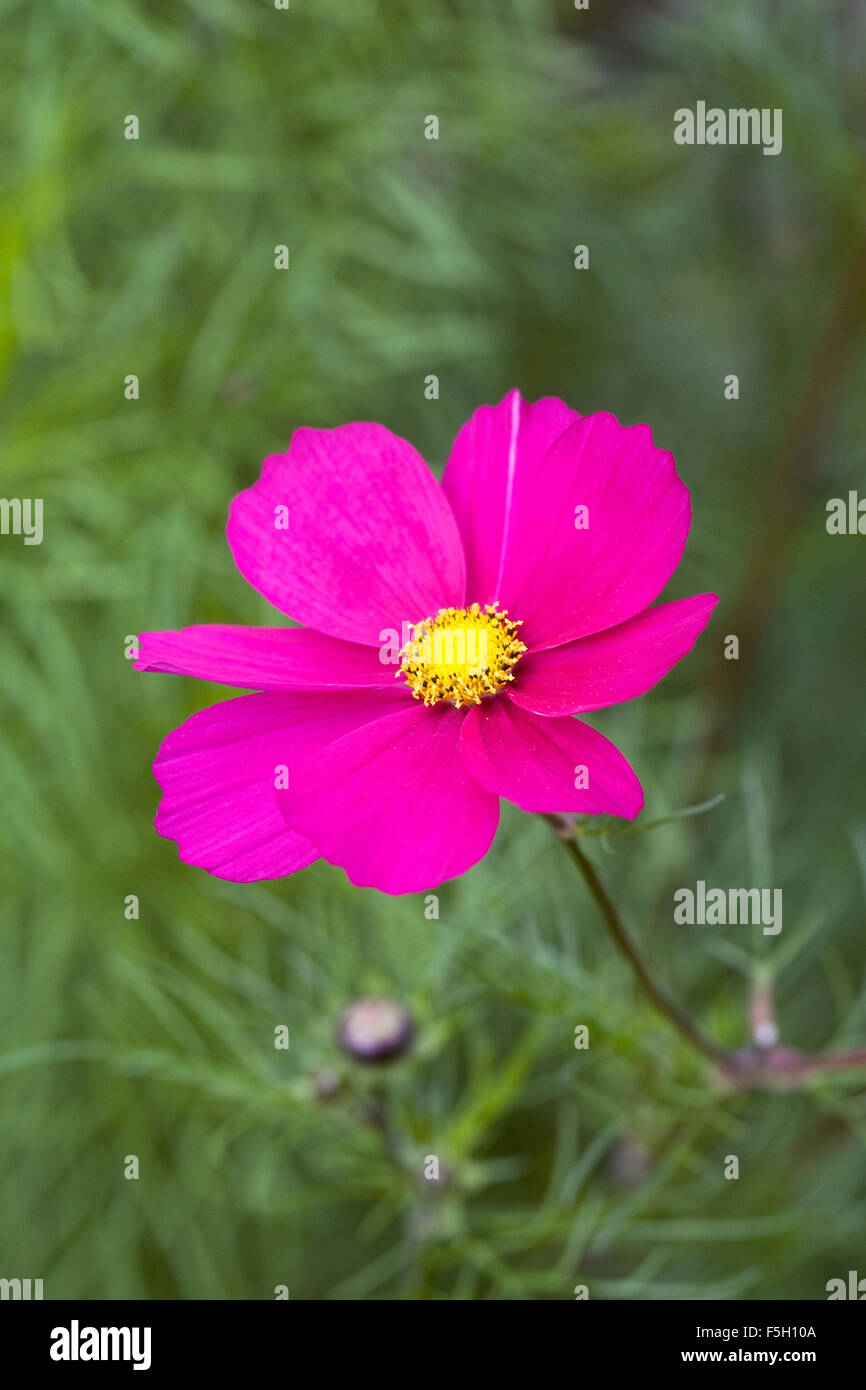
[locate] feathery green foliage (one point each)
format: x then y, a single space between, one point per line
409 257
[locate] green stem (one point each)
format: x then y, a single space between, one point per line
663 1001
752 1066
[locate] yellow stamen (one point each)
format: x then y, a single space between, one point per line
461 655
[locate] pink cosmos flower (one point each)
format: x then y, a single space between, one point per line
451 632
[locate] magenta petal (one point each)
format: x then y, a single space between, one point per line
490 479
565 581
609 667
365 540
218 775
264 658
393 803
536 763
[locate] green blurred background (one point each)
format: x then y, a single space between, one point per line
412 257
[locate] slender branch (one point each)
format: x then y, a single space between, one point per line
663 1001
764 1064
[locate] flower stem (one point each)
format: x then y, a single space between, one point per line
765 1063
663 1001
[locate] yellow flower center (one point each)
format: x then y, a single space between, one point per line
461 655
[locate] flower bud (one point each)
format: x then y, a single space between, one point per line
326 1084
375 1030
